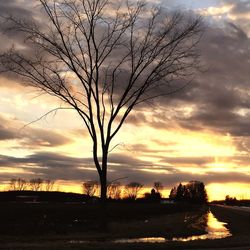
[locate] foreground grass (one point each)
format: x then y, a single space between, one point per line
62 218
124 221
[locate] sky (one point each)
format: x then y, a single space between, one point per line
200 133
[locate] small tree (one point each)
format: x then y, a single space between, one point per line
158 186
114 190
173 193
131 190
90 188
103 58
18 184
36 184
48 185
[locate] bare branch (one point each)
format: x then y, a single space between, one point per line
103 58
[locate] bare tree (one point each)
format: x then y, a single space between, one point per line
158 186
114 190
36 184
103 58
48 185
90 188
18 184
132 190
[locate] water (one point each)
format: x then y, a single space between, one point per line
215 230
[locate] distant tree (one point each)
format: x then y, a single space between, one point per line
153 196
114 190
132 190
48 185
158 186
179 193
231 201
18 184
90 188
173 193
193 191
36 184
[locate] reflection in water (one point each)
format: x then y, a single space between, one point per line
142 240
214 228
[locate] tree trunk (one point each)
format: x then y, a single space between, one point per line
103 181
103 176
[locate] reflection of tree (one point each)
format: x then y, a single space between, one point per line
193 191
197 220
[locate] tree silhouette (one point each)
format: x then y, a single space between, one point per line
90 188
103 58
18 184
114 190
158 186
153 196
49 185
36 184
193 191
132 190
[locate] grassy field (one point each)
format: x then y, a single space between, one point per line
53 226
56 218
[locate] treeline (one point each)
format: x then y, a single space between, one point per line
233 201
193 192
36 184
117 191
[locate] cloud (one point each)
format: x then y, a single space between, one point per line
24 10
193 161
30 136
62 167
217 100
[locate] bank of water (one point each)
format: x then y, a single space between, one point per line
214 228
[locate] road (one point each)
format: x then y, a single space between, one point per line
247 209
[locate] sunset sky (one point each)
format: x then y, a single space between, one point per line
201 133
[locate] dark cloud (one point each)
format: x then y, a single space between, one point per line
219 97
26 11
62 167
193 161
239 6
12 129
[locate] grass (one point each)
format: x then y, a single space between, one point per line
57 218
24 227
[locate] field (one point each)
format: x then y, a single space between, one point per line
41 226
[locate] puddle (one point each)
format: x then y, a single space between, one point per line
215 230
